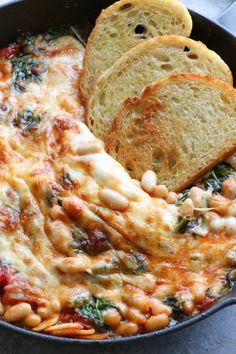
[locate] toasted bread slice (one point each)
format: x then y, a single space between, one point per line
180 127
139 67
125 24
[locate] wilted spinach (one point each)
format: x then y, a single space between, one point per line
218 176
177 312
93 311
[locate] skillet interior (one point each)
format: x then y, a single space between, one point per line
29 15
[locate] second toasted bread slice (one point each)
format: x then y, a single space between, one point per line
125 24
148 62
180 127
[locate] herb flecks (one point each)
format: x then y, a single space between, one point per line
27 121
26 68
93 311
218 176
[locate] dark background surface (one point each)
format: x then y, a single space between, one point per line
216 334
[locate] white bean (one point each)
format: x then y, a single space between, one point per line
211 215
32 320
188 306
198 291
135 315
113 199
232 210
1 309
83 146
55 305
230 256
43 312
158 307
154 323
186 209
172 197
60 235
112 318
229 188
73 265
217 225
160 191
17 312
149 181
198 197
127 329
230 225
140 301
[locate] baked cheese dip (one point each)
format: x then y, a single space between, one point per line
85 251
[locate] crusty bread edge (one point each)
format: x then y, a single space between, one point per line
164 41
159 41
103 15
110 141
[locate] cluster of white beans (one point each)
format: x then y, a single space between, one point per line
222 214
149 185
197 199
23 312
138 310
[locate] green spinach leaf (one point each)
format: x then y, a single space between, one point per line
177 312
93 310
218 176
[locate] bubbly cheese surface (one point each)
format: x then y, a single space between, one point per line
73 223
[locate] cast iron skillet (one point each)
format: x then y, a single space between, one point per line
39 15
